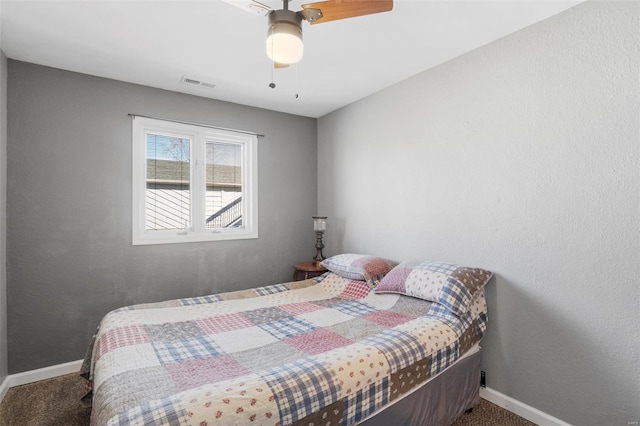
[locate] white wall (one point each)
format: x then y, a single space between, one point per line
520 157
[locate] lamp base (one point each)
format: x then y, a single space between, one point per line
319 257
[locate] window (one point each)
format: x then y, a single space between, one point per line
192 183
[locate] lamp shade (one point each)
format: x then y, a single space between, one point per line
319 223
284 37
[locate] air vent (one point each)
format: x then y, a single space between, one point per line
196 82
253 6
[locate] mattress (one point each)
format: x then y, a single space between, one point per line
327 349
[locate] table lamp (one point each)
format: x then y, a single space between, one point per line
319 226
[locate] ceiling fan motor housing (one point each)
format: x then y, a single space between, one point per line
284 37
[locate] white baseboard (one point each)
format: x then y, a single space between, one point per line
37 375
4 388
520 408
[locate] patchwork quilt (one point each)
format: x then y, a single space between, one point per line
327 349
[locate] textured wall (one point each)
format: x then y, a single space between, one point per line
69 253
3 209
520 157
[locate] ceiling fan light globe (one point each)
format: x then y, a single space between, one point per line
284 48
284 37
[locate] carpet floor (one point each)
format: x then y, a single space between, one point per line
56 402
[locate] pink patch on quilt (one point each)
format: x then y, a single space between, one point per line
388 319
394 281
122 336
192 373
221 323
300 308
355 290
318 341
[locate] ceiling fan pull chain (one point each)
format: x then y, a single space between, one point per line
273 65
296 87
272 84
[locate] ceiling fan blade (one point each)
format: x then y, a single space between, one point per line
333 10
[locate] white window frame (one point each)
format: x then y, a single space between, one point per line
199 136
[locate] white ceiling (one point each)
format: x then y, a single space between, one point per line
156 43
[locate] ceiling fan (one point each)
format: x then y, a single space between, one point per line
284 31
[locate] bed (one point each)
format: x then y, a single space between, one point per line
369 342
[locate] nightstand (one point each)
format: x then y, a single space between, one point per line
307 270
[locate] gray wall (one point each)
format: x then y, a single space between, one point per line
3 214
69 253
520 157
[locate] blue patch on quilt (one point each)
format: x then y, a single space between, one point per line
200 300
271 289
154 413
400 348
443 358
179 350
366 401
354 308
301 388
287 327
